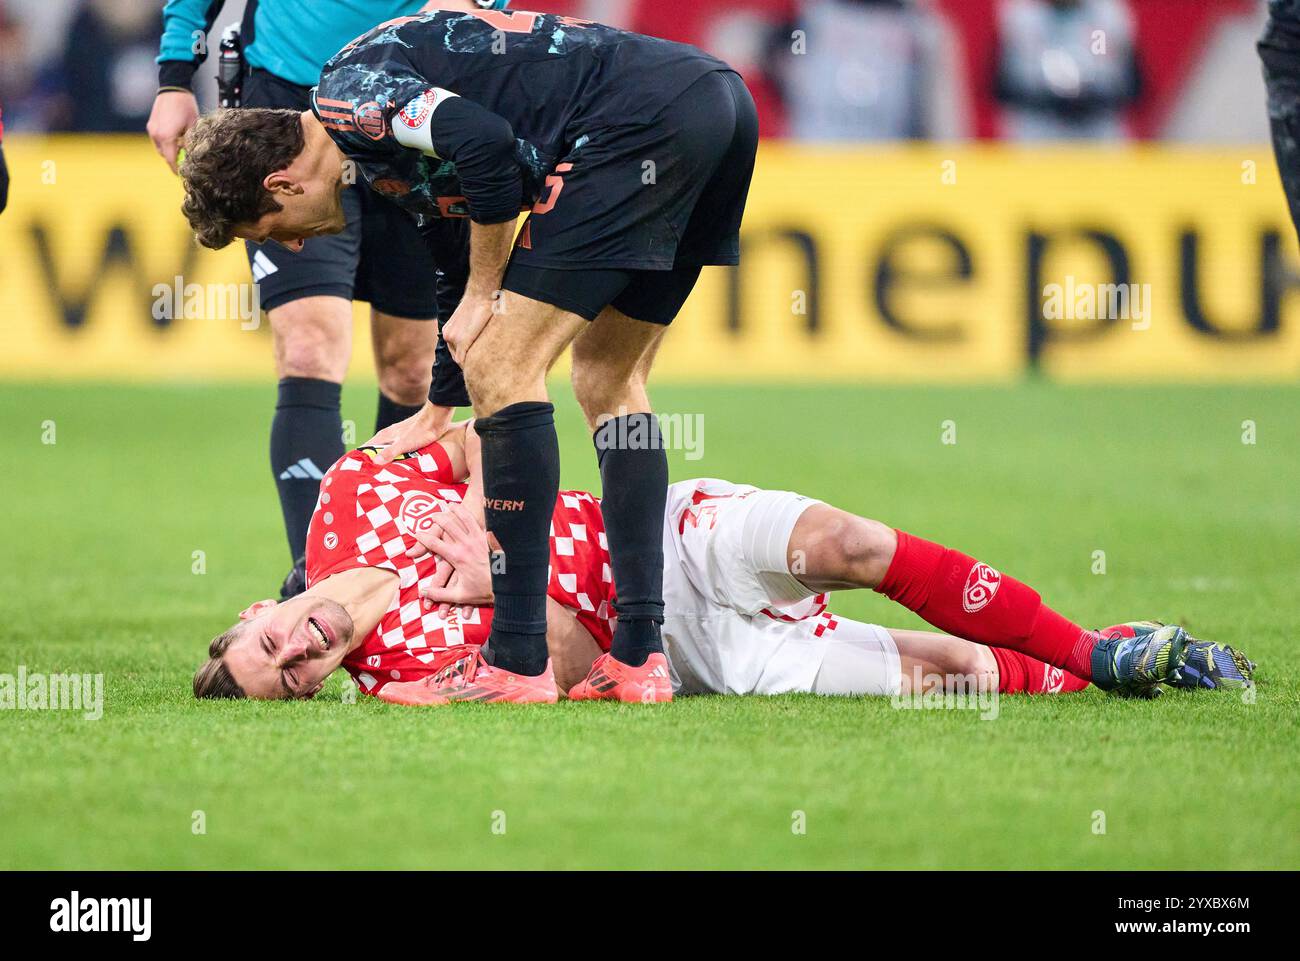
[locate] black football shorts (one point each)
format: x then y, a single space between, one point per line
631 215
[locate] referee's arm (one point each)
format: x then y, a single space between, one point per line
186 27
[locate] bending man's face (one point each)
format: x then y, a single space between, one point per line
308 209
288 650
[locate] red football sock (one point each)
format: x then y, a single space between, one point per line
1021 674
961 596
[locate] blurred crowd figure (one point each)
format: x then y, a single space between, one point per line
84 66
1066 69
865 70
820 70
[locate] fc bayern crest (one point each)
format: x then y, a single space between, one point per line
982 584
415 113
369 118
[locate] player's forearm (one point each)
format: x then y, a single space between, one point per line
489 251
453 445
185 23
474 472
482 146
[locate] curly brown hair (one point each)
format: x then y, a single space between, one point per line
213 679
228 154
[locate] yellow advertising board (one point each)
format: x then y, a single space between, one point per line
880 264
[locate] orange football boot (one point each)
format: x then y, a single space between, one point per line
612 680
470 678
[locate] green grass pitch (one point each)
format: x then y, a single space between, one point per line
97 571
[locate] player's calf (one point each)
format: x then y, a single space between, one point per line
611 364
404 354
611 360
505 368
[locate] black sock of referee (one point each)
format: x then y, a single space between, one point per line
521 478
306 440
634 493
391 412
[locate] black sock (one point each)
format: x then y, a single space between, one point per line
306 440
390 412
521 478
634 494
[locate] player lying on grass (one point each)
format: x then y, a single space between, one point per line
634 156
399 594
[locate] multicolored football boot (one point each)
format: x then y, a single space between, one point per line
1209 664
612 680
1137 666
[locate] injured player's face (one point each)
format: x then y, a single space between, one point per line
287 650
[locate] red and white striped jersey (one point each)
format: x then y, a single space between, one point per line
364 518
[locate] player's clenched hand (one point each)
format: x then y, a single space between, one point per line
456 538
174 113
466 324
423 427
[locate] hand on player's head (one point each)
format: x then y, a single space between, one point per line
277 651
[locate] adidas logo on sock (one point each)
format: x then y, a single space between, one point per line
303 470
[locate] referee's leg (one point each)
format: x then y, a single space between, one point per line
404 353
312 346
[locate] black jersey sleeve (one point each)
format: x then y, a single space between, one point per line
447 386
482 146
448 241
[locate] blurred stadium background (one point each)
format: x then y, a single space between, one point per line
931 166
930 170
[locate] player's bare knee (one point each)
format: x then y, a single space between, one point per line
308 352
313 338
970 666
847 549
404 382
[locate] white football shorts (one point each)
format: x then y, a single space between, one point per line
736 621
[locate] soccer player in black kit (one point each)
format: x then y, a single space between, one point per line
634 156
1279 48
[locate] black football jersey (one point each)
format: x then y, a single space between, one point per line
1284 15
556 80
